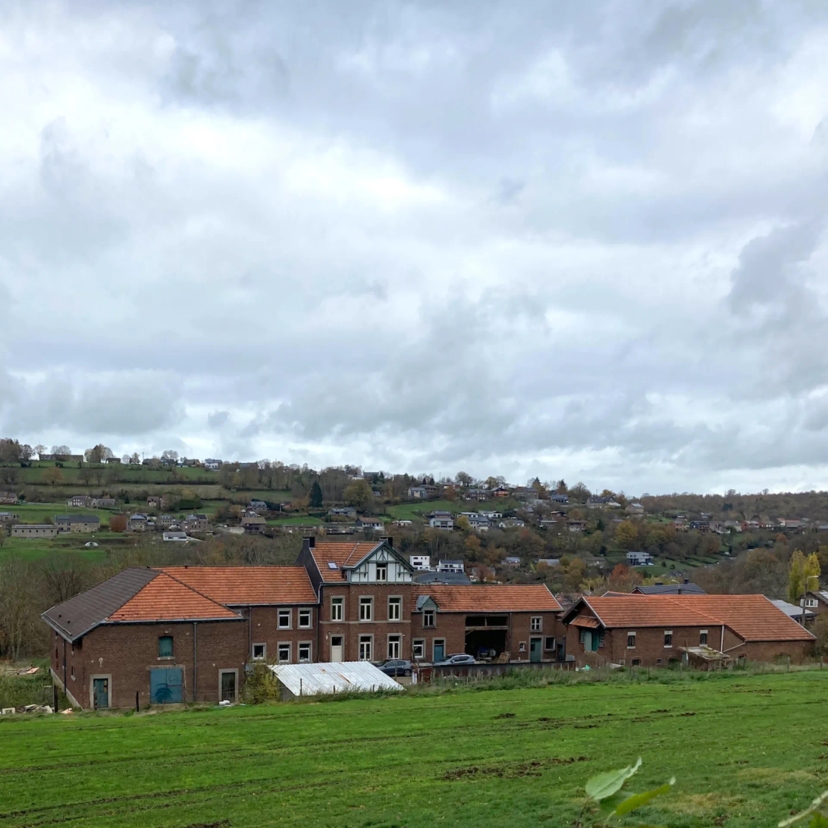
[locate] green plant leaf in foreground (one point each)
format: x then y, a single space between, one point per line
638 800
606 784
814 822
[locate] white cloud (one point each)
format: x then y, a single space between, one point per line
423 238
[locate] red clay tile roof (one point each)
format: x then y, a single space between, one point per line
246 585
751 617
646 611
341 553
586 622
487 599
166 599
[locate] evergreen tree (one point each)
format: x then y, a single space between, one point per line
316 495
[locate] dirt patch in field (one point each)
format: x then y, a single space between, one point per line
510 771
505 716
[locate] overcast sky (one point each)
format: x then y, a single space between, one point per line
579 240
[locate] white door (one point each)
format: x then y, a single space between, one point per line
337 648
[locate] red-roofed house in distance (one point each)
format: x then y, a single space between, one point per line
658 630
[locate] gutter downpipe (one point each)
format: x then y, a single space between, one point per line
195 660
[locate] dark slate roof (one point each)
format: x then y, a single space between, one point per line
670 589
77 519
453 578
78 615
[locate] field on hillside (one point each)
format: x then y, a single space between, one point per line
745 749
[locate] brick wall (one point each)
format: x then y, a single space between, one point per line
126 654
351 628
649 650
264 629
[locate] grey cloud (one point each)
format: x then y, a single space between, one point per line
503 237
216 419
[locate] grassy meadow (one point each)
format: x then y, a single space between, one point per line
745 750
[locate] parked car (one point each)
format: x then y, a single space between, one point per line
457 658
396 667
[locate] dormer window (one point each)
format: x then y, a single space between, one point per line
382 572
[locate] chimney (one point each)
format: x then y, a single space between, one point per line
389 540
686 580
310 542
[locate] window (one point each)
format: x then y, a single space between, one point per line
305 619
636 662
259 652
304 653
668 638
703 638
366 608
284 619
658 662
536 624
811 602
418 649
72 673
394 646
549 643
394 609
284 653
630 640
428 618
165 646
336 608
382 572
366 647
522 647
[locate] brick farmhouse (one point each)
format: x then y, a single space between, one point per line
184 634
656 630
188 634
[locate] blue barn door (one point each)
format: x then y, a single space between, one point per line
100 693
166 685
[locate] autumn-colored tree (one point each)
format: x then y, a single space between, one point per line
52 476
623 578
450 493
626 535
472 547
463 524
117 523
359 495
796 576
575 573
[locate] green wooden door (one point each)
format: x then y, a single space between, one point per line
100 693
535 645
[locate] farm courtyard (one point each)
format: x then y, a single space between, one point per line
745 750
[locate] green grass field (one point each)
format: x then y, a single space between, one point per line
745 750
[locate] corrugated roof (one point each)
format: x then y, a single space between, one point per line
80 614
245 585
486 599
341 553
167 599
341 677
